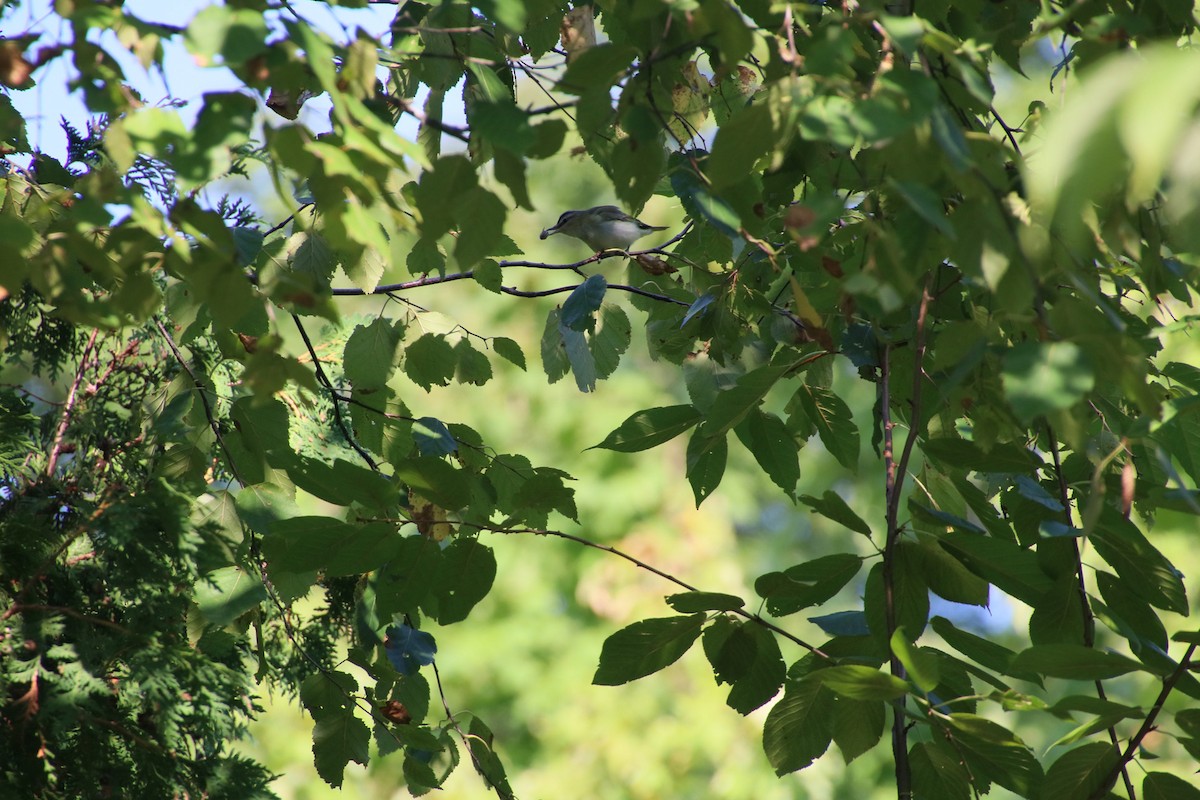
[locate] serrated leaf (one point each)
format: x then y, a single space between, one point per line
509 350
584 301
649 428
834 423
706 459
305 544
430 361
1165 786
471 366
433 438
994 753
702 205
807 584
1011 568
938 772
831 505
859 682
1073 662
645 647
488 274
409 649
436 480
465 577
1042 377
1145 570
984 652
769 440
610 339
857 726
921 666
1080 772
798 728
338 740
691 602
225 594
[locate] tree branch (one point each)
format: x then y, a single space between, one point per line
893 488
333 395
69 406
755 618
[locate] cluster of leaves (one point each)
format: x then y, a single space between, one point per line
862 199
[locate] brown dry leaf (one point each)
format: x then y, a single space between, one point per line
654 266
14 68
430 519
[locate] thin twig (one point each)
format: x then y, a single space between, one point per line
1085 606
893 488
337 406
1135 742
69 406
755 618
202 391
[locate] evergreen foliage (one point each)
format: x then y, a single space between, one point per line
225 467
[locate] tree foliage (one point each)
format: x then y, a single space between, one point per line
226 467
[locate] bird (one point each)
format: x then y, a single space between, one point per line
601 228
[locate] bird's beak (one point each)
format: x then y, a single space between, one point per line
548 232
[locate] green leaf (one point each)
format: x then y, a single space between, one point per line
305 544
920 663
984 652
225 594
769 440
807 584
472 366
732 405
970 456
509 350
857 682
834 423
480 216
993 753
489 275
597 67
235 35
909 592
702 205
1073 662
746 137
403 583
832 505
747 656
645 647
691 602
1042 377
435 480
649 428
857 725
430 361
584 301
338 740
610 340
465 577
947 577
1146 572
937 771
1165 786
706 458
1079 773
798 728
1012 569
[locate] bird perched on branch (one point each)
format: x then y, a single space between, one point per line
601 228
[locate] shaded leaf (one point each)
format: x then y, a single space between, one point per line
645 647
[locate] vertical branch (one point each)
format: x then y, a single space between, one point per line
69 406
894 473
892 490
1085 607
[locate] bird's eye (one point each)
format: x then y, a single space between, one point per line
565 216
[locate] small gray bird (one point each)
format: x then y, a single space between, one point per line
601 228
